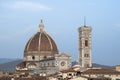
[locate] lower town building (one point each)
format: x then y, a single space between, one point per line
90 74
102 73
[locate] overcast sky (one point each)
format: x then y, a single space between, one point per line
19 20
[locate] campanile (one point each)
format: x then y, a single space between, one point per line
85 46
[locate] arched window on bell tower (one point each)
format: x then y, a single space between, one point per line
86 43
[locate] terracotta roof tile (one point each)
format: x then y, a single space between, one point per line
100 71
41 41
66 71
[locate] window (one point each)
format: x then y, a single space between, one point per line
86 43
48 64
33 57
45 57
69 74
86 55
74 74
52 63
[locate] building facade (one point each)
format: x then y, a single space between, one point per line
85 47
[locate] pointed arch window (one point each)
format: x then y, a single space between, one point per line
86 43
86 55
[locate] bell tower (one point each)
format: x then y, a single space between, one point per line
85 46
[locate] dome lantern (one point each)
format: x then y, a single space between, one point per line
41 26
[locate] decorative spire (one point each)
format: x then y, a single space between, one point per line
41 26
84 21
41 21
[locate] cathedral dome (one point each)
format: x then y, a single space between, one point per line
41 42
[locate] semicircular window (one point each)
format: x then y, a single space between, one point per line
33 57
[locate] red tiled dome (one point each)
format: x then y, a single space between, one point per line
40 42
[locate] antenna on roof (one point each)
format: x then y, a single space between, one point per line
41 21
84 21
